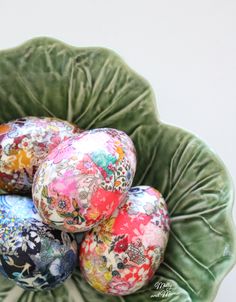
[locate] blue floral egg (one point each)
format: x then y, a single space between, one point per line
32 254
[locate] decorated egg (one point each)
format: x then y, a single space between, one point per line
84 179
24 143
32 254
121 254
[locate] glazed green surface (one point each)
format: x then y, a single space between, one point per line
93 88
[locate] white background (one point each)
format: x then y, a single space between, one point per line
185 48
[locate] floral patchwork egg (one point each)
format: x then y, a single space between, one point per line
32 254
121 255
24 143
85 179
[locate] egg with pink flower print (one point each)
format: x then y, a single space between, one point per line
84 179
121 254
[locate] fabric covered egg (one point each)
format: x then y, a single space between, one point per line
32 254
84 179
121 254
24 143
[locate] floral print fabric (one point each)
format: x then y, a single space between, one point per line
121 255
84 179
24 143
32 254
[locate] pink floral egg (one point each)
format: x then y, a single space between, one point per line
121 255
24 143
85 179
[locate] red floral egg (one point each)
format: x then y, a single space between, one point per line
24 143
85 179
121 255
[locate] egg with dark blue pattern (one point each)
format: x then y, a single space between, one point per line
32 254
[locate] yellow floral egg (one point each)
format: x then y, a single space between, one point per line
24 143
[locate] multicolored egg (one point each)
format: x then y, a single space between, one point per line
85 179
32 254
24 143
121 255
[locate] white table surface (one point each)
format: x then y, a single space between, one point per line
186 49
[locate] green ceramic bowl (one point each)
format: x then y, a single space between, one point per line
93 87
